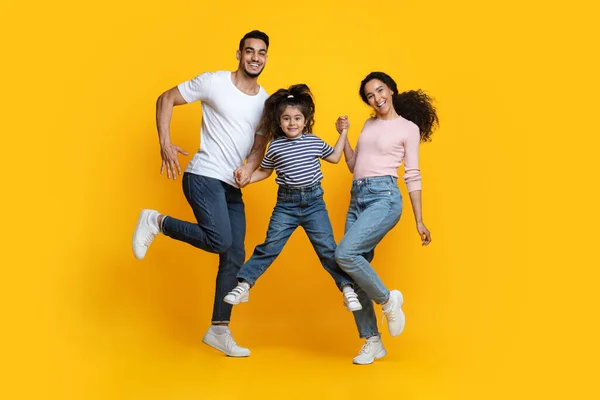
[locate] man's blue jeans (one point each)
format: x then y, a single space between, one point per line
220 228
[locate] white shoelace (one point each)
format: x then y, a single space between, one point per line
230 341
390 315
366 347
149 239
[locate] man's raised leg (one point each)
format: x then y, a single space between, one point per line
212 230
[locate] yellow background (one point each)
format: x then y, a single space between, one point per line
502 304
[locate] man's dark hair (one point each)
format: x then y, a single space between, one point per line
254 35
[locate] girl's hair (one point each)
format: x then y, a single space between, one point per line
414 105
294 96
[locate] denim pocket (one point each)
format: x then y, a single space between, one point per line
318 193
379 187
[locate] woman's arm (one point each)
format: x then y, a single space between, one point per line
349 154
415 200
412 177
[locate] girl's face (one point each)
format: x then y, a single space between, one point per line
379 97
292 122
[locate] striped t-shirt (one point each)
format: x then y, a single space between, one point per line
296 161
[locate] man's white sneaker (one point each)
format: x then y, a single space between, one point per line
224 342
371 350
239 294
394 314
145 232
351 301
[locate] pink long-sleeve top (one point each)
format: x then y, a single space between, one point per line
381 147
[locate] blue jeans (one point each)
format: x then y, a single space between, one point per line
220 228
375 208
296 207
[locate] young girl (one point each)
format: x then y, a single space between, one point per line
294 153
400 122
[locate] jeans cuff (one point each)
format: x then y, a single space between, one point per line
387 297
219 322
344 283
241 279
368 335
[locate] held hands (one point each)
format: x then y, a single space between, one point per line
242 176
342 123
170 160
424 233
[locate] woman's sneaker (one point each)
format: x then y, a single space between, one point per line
371 350
238 295
394 314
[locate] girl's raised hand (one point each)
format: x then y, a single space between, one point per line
342 123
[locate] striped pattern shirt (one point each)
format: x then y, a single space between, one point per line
297 161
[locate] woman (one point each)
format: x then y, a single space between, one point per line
400 122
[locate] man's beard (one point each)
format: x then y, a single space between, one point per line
251 75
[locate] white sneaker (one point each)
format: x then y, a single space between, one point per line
238 295
224 342
145 232
351 301
371 350
394 314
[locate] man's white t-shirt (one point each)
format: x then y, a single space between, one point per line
229 121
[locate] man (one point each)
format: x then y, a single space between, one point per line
232 104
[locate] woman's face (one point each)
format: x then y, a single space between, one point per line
379 96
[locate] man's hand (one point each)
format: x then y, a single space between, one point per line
170 160
242 175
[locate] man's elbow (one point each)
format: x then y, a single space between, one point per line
162 99
260 145
166 99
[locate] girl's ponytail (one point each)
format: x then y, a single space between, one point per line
294 96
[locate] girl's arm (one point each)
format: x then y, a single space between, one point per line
338 149
260 174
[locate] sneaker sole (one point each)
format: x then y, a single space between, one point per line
382 353
214 346
403 323
401 316
141 219
358 308
354 309
233 302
